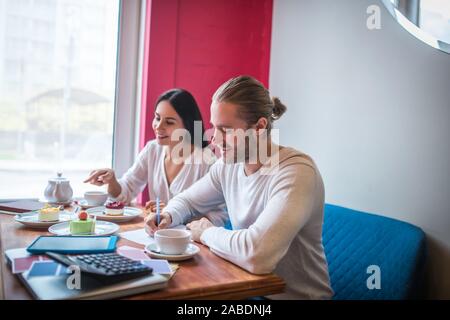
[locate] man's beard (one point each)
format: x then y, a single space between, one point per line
247 153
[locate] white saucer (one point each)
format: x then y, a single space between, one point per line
153 251
84 204
102 228
31 219
65 203
129 213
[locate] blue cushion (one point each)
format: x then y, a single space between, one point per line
228 225
355 240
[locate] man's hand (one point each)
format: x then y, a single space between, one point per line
151 224
197 227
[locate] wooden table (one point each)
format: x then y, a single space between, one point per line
206 276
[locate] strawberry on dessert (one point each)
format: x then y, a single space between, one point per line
83 215
115 208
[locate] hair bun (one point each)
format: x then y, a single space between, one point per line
278 108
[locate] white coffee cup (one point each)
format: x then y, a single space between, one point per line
95 198
172 241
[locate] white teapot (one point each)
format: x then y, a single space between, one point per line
58 189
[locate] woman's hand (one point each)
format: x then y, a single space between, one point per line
150 206
151 223
101 177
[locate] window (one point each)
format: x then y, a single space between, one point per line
57 92
435 18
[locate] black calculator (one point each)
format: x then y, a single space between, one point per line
105 266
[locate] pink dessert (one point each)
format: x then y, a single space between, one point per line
115 208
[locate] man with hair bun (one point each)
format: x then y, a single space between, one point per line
276 210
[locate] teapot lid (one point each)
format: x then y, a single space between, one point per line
58 178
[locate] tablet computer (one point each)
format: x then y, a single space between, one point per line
73 245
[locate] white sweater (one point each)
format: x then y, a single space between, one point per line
277 221
149 169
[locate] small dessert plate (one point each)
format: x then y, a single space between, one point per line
65 203
102 228
84 204
129 213
31 219
153 251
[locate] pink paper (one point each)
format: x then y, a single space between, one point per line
132 253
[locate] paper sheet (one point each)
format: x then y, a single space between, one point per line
132 253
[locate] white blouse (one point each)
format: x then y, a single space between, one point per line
149 169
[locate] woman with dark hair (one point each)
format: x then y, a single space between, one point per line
170 163
187 109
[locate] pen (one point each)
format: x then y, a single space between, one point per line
157 210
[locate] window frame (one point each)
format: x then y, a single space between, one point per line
130 57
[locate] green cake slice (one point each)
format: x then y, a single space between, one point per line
82 226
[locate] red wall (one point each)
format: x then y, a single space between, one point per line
199 44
